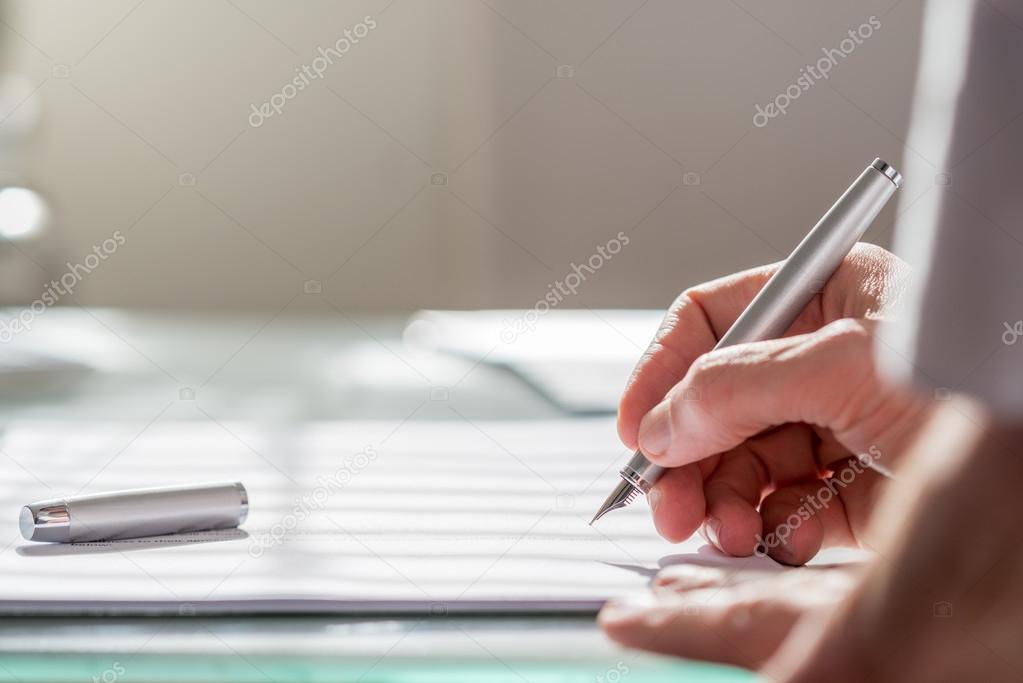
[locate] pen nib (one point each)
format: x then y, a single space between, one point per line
623 494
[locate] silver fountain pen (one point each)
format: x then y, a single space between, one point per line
804 273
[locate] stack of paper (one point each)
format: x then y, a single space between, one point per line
438 517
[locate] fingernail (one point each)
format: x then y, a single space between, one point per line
713 526
653 498
655 430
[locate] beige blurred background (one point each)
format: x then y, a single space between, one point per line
463 154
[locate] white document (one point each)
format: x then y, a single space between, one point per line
369 517
580 359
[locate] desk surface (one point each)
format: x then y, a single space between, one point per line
323 364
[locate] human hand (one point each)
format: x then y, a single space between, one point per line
942 598
704 613
753 432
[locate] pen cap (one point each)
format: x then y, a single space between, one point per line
46 520
136 513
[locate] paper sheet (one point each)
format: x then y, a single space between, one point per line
371 517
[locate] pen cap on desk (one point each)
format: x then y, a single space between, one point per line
136 513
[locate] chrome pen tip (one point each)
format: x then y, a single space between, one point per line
623 494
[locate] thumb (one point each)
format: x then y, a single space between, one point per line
826 378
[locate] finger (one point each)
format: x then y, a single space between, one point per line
788 453
794 528
826 378
860 489
677 503
741 624
869 281
707 624
777 457
799 520
692 325
679 578
897 595
733 493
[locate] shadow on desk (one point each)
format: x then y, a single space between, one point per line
129 544
738 568
706 556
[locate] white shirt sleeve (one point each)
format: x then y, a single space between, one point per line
962 226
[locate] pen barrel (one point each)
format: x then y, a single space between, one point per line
812 263
802 276
137 513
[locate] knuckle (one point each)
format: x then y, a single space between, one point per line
686 409
714 377
866 250
669 323
870 279
846 347
693 400
843 333
681 302
696 385
866 258
845 344
685 298
649 358
704 370
675 406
